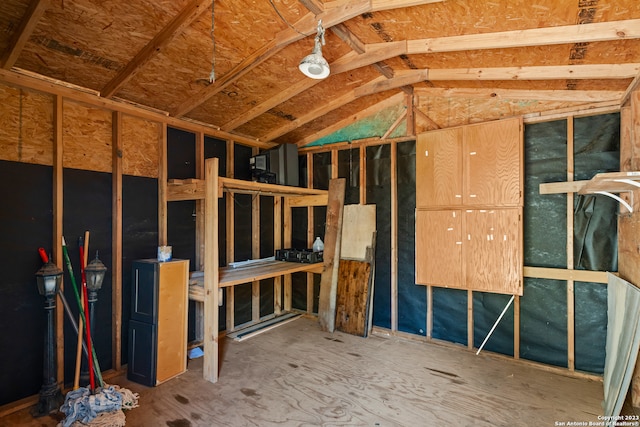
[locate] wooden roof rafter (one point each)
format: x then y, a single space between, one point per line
523 94
177 25
27 25
334 13
378 52
545 72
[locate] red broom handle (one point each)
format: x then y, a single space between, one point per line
92 380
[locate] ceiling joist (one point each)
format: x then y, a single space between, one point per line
534 95
182 20
333 14
553 72
22 34
369 54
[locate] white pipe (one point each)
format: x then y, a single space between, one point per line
495 324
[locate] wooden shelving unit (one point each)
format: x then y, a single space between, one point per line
210 189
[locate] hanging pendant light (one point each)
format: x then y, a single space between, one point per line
314 65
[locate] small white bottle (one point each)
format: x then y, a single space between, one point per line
318 245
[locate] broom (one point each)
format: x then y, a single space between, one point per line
92 350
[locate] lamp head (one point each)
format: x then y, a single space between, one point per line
48 279
94 273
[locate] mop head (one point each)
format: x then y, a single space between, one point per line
104 408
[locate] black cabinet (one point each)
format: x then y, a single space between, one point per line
158 326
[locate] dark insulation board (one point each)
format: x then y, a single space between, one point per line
26 221
87 207
349 169
139 238
379 193
412 298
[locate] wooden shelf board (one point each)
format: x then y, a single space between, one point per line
250 273
611 182
241 186
193 189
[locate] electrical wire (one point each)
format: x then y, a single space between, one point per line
212 74
285 21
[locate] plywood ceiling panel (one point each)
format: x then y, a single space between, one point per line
259 92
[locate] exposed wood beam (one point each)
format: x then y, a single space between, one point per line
378 5
374 53
349 38
333 14
313 6
632 87
601 31
427 118
537 95
553 72
313 114
21 78
270 103
395 125
27 25
182 20
359 115
403 79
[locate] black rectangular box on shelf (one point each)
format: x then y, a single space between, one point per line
299 255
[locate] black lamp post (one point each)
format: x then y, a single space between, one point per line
48 279
94 275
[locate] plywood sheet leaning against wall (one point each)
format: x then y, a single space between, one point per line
356 271
623 341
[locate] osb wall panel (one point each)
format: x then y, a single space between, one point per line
140 141
26 126
87 133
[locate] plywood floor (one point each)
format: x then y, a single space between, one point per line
297 375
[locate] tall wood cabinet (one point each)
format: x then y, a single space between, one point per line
469 207
158 325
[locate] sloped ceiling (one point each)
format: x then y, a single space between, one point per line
448 62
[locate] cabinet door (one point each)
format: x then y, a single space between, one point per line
141 366
439 248
439 168
173 285
144 292
493 163
493 250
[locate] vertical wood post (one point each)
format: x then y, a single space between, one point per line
333 237
162 185
570 283
394 236
58 212
230 226
116 245
211 326
310 234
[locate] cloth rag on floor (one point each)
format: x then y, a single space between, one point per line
81 405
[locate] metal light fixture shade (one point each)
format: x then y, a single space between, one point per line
48 279
94 273
314 65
